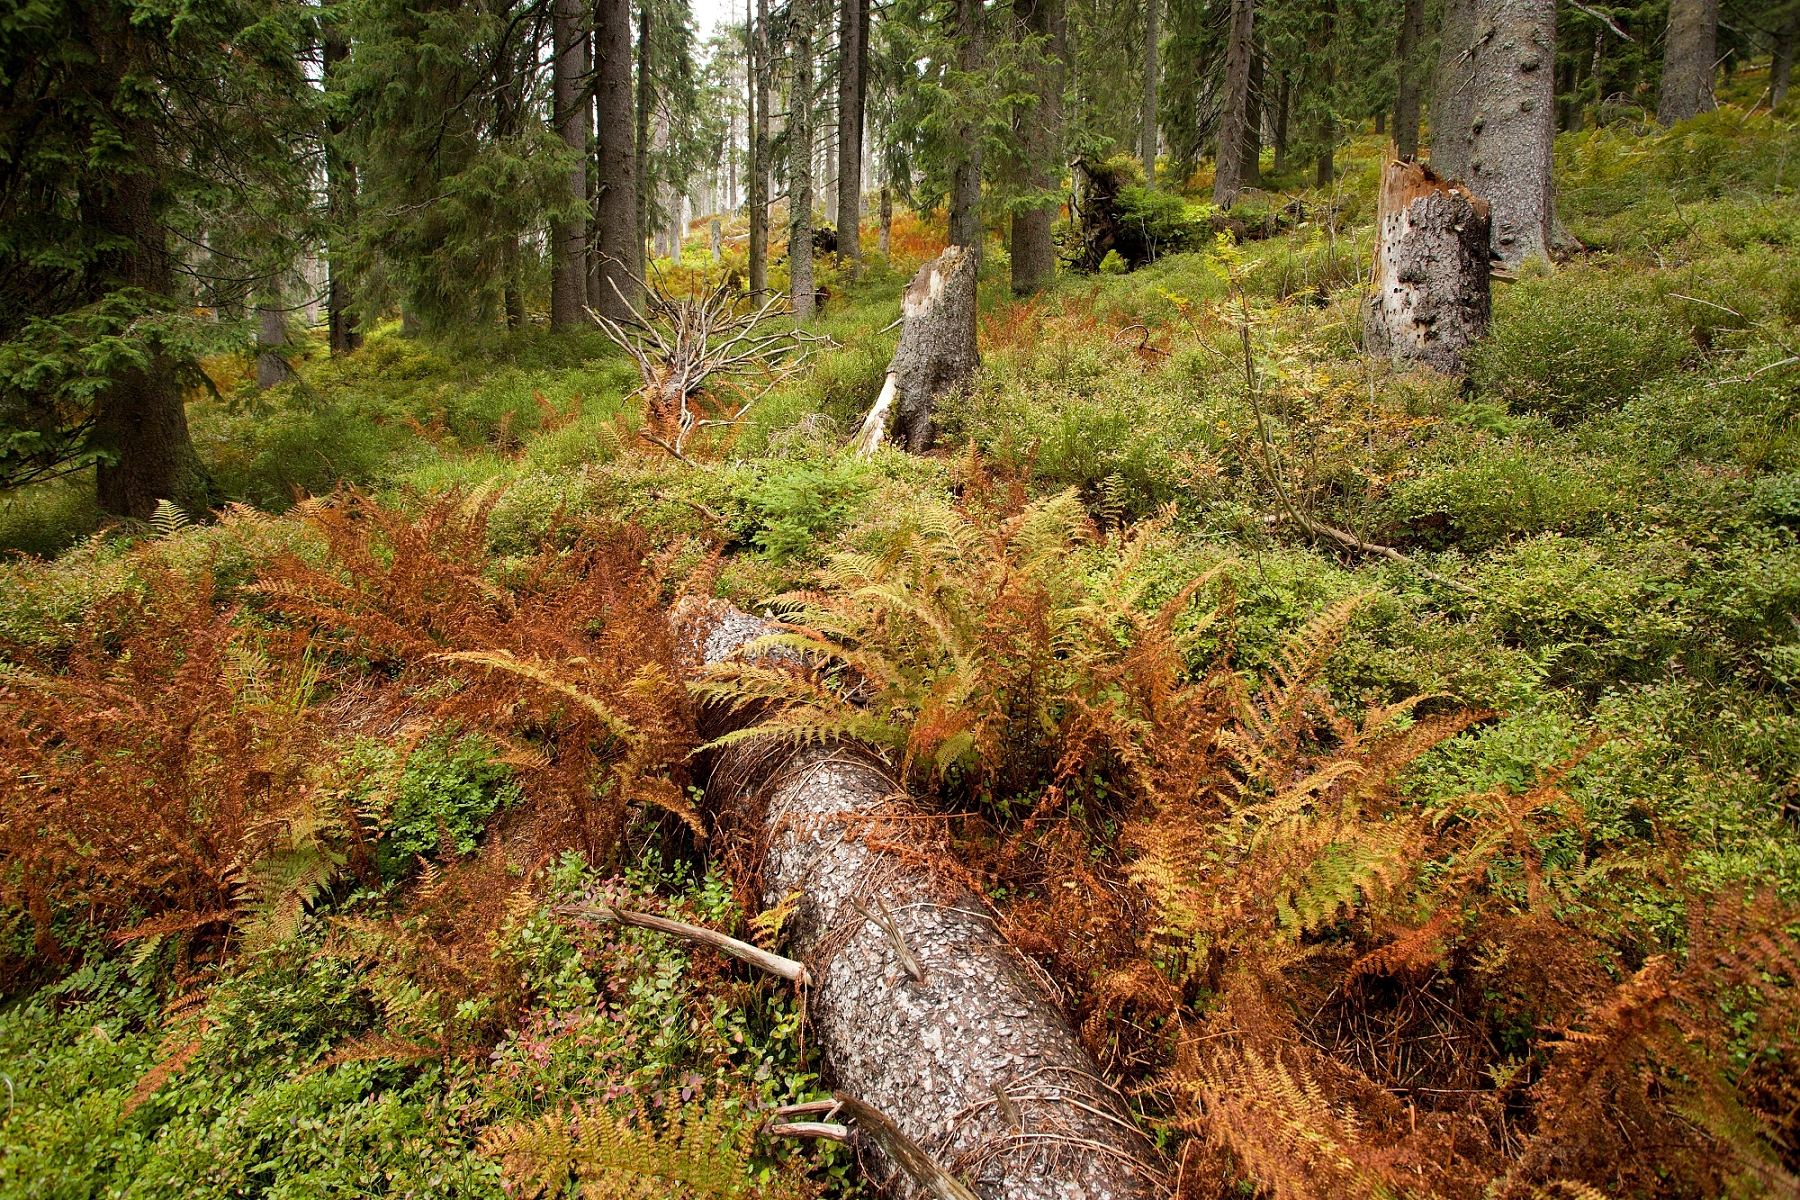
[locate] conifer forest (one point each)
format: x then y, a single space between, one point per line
899 599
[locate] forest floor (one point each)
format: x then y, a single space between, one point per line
1598 564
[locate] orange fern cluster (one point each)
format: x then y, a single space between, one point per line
1332 988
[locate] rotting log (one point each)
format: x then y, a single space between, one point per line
936 355
920 1008
1431 301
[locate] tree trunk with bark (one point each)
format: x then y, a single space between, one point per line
271 339
1281 124
1033 250
1406 103
340 203
759 165
921 1009
800 164
1690 53
851 58
936 355
886 236
617 235
1250 162
1781 69
1430 302
1152 76
646 107
1453 97
1512 131
1229 169
965 179
568 232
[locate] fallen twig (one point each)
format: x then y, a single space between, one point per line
907 1154
884 920
757 957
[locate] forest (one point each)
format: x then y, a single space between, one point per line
1034 599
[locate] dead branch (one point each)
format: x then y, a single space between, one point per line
814 1129
757 957
680 344
884 920
905 1152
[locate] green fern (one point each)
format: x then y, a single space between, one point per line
699 1151
168 519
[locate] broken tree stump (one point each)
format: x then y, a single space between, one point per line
936 354
1431 300
920 1009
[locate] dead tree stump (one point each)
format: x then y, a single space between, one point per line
1431 270
919 1007
936 354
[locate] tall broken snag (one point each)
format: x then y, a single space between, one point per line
1431 299
936 354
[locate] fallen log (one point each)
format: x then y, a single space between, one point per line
936 355
1431 299
922 1012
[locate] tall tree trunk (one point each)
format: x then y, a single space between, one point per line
1782 68
1406 104
340 203
1453 97
1689 52
800 164
1430 301
1250 168
759 170
646 107
596 260
271 338
1512 132
1281 124
619 245
965 180
1229 170
887 219
849 132
568 232
1033 250
930 1051
1152 76
140 418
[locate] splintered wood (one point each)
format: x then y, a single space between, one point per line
1431 300
936 354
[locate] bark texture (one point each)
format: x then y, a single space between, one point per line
1689 54
1228 174
927 1055
568 233
800 164
1033 250
1431 300
965 179
1152 75
852 56
937 351
1453 97
1407 55
887 220
617 235
271 337
1513 128
759 155
1781 68
340 203
140 417
1250 161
